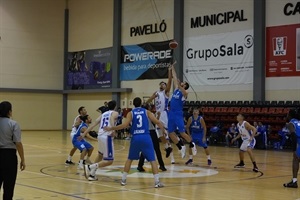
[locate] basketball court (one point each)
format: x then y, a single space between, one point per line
47 177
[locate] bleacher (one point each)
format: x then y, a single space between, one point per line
224 112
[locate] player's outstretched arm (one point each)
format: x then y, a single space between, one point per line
174 76
151 98
168 88
96 123
121 126
87 134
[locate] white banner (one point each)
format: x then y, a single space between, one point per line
219 59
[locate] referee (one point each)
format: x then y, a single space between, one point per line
10 142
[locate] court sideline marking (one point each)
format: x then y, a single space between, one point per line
86 182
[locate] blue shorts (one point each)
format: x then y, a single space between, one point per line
82 144
197 139
176 121
141 143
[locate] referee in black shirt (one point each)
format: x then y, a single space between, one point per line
10 142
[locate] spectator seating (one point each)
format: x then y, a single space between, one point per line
268 112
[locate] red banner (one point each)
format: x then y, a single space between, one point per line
283 51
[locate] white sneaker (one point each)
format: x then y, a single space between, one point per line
194 149
123 182
182 151
158 185
92 178
86 171
80 166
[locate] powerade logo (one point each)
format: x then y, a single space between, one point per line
155 55
221 51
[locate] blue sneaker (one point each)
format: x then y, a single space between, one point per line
189 162
209 162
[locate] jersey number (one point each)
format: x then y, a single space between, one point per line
140 121
104 122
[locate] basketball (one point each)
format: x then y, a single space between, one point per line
173 44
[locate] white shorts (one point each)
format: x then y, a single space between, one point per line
247 144
106 147
164 120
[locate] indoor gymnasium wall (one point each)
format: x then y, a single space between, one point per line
35 111
90 27
90 24
31 57
217 33
284 13
138 13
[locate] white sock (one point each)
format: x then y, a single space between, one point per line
156 178
69 158
172 156
191 157
81 162
94 166
208 157
124 175
294 180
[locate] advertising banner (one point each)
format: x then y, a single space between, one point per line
89 69
219 59
283 51
145 61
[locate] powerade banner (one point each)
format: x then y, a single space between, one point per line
145 61
283 51
89 69
219 59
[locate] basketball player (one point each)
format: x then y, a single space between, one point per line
141 140
77 121
155 142
105 141
80 143
176 115
247 132
294 128
198 128
161 98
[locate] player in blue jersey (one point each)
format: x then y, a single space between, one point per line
141 141
176 120
80 143
196 125
77 121
294 128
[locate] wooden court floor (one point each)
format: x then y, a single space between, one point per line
47 177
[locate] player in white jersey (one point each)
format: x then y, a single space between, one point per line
247 132
77 121
161 99
105 141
